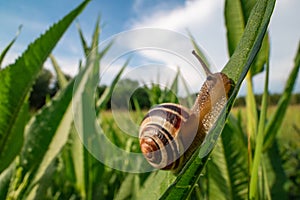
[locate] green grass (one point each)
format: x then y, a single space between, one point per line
288 140
251 159
287 133
291 119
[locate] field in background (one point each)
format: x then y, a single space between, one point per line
289 131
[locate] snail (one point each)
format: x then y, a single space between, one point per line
170 133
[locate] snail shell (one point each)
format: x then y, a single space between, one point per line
170 133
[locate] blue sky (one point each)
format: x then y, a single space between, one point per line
204 19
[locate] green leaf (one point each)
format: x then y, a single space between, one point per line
236 69
44 183
14 141
261 58
236 16
273 125
105 97
247 6
259 140
85 82
250 42
84 44
95 38
155 185
235 152
275 171
129 187
227 170
15 87
6 49
235 23
216 172
47 133
77 155
62 81
5 179
251 110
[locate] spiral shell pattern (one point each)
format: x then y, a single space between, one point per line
158 135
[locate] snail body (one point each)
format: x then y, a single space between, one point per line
170 133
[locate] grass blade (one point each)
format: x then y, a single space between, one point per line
252 38
77 154
84 44
235 152
128 187
236 68
5 179
155 185
218 178
252 118
12 146
43 142
189 96
6 49
15 86
102 102
235 23
172 93
276 119
62 81
259 140
276 171
236 16
198 50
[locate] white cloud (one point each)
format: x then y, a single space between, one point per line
205 20
180 18
173 48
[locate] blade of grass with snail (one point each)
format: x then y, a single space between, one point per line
15 87
236 68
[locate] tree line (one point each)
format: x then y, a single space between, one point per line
46 86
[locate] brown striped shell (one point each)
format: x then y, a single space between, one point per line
170 133
159 133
